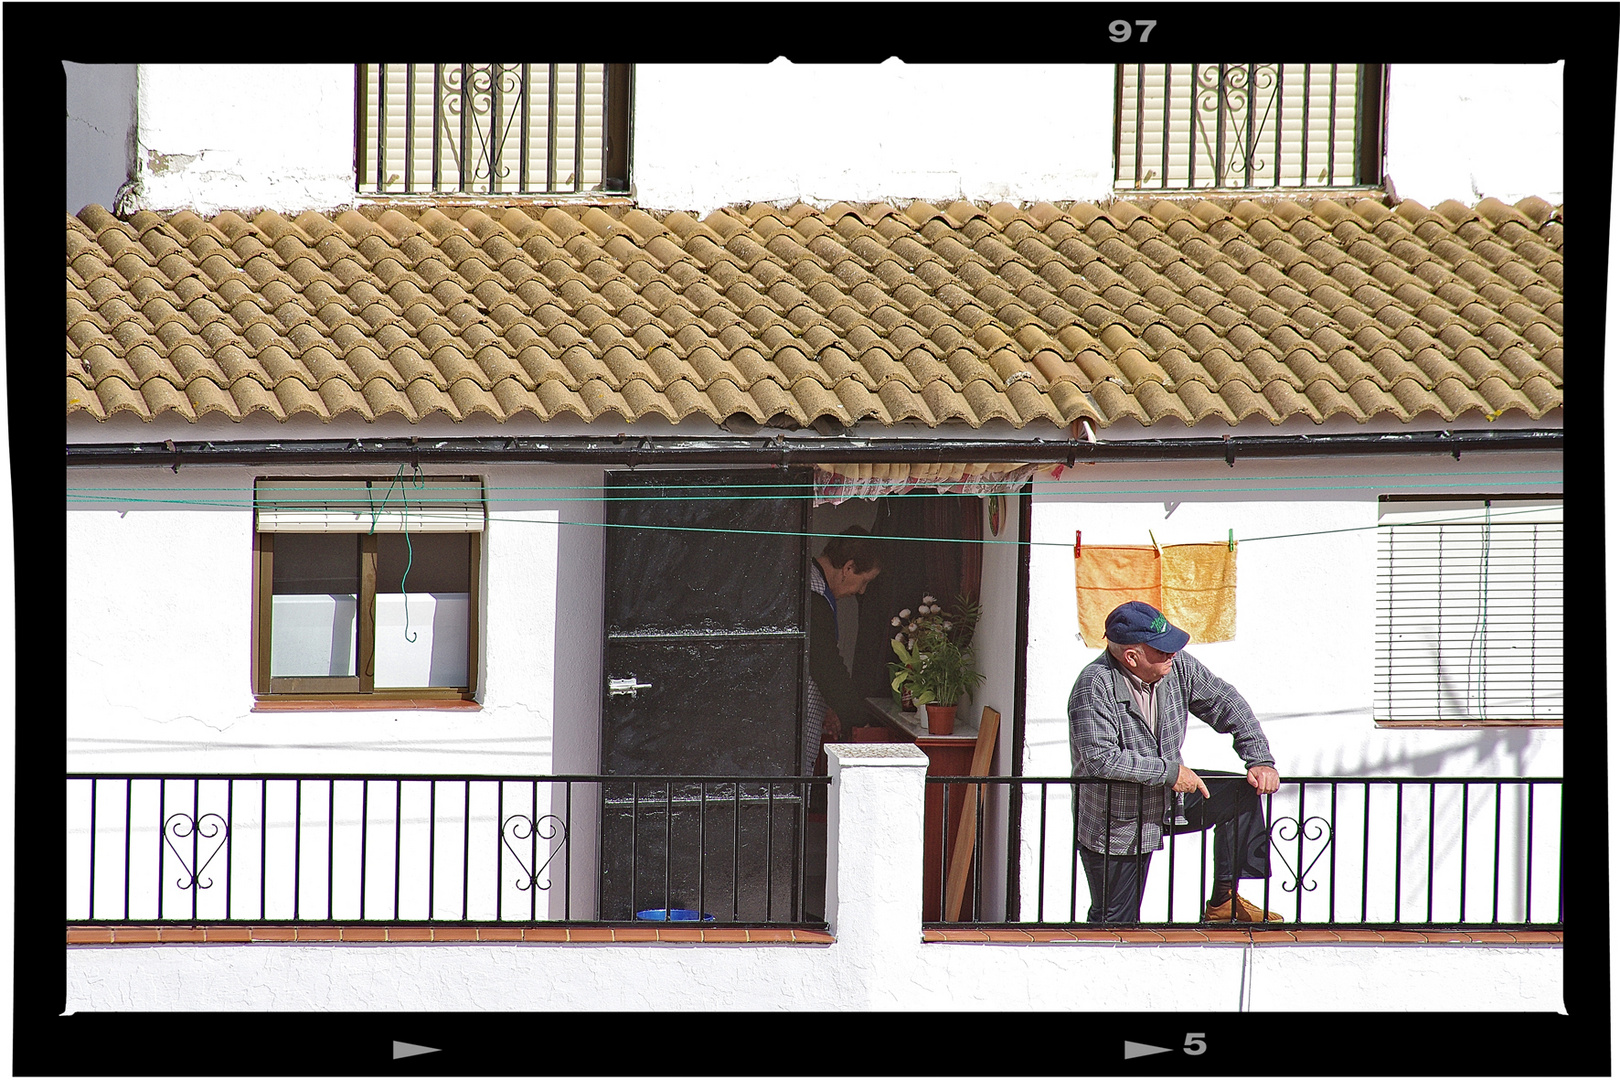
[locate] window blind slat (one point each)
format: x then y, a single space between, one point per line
348 506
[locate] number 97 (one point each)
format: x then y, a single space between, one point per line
1120 31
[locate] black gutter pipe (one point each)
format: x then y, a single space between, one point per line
784 451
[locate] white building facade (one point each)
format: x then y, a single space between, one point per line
161 578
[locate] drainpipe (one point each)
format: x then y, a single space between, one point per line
784 451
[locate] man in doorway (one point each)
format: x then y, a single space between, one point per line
1127 722
845 567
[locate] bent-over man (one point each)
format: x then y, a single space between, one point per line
1127 722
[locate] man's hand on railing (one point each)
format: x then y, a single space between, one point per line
1264 779
1187 781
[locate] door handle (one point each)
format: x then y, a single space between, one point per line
628 685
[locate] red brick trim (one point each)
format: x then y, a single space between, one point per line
156 935
1195 935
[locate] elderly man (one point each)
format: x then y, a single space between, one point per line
1127 722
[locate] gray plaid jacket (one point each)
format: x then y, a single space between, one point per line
1109 738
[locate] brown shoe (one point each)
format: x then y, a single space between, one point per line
1246 912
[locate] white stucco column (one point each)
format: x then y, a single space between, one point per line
875 844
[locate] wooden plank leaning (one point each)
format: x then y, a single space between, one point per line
967 823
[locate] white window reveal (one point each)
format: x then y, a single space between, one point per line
1470 610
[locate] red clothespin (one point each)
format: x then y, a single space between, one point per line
1077 543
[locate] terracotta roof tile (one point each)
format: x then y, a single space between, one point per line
944 314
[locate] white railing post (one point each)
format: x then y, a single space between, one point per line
875 843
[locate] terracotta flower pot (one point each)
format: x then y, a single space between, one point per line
941 719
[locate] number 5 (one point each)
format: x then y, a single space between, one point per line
1195 1043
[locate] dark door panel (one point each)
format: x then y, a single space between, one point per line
713 554
707 706
704 618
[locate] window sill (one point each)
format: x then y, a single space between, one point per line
552 934
1212 936
1465 725
377 704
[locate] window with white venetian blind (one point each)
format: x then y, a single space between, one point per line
1470 619
1195 126
492 128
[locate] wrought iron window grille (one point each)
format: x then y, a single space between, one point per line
493 129
1188 127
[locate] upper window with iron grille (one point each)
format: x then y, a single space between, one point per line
492 129
1185 127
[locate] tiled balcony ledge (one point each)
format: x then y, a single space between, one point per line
201 934
1212 936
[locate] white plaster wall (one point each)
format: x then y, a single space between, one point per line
158 636
1471 131
100 123
282 136
825 132
750 978
245 136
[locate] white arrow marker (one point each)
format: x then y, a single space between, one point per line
402 1050
1132 1050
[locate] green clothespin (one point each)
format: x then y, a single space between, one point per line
1231 544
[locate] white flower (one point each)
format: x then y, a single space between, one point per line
928 599
947 626
912 628
895 621
905 613
899 637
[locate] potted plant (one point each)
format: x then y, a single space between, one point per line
934 668
947 674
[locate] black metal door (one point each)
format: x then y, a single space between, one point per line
704 675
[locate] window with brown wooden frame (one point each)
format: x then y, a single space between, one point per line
366 587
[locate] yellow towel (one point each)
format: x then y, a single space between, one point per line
1106 577
1198 587
1195 585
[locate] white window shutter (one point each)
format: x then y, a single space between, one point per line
441 504
1470 607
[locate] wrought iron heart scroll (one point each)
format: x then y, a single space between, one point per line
179 826
518 827
1288 830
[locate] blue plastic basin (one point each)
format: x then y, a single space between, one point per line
674 915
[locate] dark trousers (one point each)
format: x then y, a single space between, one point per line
1242 849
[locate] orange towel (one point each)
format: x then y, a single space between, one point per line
1198 587
1195 585
1106 577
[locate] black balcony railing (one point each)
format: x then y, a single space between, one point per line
1347 852
296 848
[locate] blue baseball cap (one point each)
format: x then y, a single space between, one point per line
1136 623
